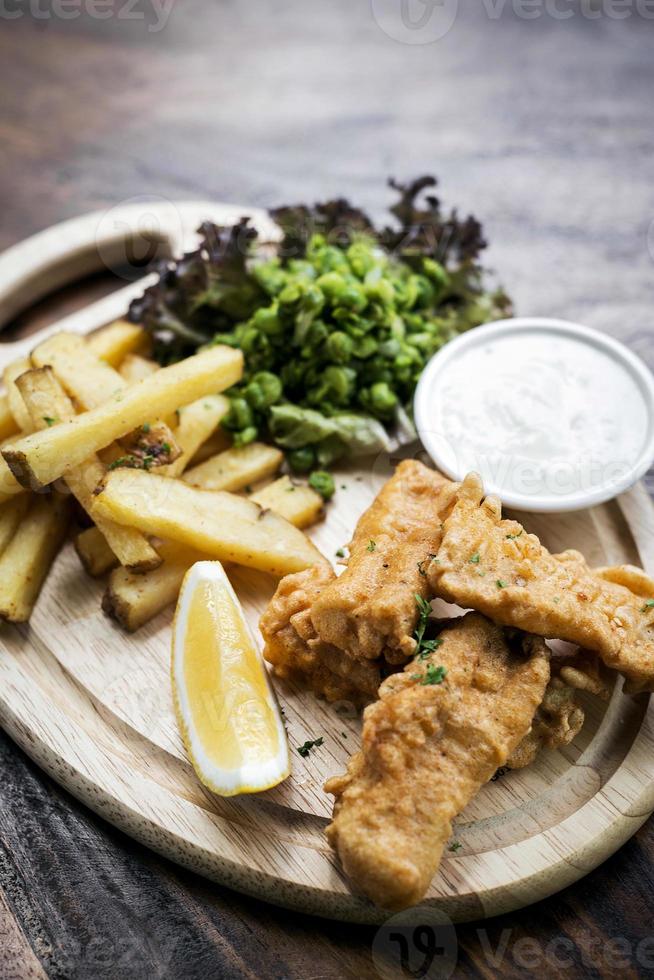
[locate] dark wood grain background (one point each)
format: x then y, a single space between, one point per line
541 125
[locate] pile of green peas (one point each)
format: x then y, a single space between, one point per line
342 330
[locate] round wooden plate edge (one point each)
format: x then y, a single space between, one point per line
561 860
541 882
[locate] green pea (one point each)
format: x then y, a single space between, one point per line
315 335
435 271
361 259
339 380
323 483
253 340
332 259
352 297
340 347
301 460
267 320
290 294
383 399
365 347
270 277
239 415
270 386
381 292
331 284
245 436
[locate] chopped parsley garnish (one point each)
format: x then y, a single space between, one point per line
121 461
428 647
424 612
512 537
371 545
290 489
49 420
166 447
312 744
647 605
340 553
434 675
455 846
556 599
145 427
474 560
500 584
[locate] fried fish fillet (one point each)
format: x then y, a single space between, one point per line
370 609
494 566
559 717
427 749
292 647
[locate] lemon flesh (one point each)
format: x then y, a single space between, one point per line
226 709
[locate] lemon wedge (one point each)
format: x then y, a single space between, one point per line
226 708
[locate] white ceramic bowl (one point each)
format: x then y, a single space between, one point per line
504 398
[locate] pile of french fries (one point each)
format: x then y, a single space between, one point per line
140 449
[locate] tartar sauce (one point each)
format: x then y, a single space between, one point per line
539 413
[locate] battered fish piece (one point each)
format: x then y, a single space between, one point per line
427 749
559 718
370 609
292 647
494 566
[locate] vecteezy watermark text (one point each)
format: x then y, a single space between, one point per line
154 13
426 21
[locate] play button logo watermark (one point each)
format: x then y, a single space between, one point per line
418 942
415 21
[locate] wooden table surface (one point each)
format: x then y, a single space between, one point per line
542 126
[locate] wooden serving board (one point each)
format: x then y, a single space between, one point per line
92 705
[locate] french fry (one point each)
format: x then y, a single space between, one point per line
94 552
215 444
297 502
134 367
11 514
221 525
42 457
133 600
235 468
50 406
89 380
8 425
9 485
16 404
26 560
197 422
118 339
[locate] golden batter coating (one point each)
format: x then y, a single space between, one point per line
370 610
494 566
427 749
295 652
559 718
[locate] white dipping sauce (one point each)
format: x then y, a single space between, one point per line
539 413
